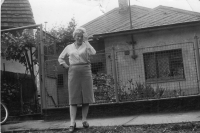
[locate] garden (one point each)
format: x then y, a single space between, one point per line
129 91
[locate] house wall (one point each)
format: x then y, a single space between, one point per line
129 68
12 66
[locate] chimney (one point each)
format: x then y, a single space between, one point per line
123 6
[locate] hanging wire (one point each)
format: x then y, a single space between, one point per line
189 5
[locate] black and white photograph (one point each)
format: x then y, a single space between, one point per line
100 66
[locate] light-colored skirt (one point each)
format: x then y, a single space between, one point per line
80 84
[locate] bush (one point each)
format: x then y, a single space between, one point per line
141 91
10 95
104 87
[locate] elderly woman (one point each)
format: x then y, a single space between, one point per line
79 75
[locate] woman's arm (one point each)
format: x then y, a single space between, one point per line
64 65
90 49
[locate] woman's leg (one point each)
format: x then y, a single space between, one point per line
85 108
73 110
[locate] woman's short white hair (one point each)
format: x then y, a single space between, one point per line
80 30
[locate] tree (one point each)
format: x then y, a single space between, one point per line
21 48
63 34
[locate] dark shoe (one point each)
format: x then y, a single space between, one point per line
72 128
85 124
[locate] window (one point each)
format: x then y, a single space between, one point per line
127 52
60 82
164 65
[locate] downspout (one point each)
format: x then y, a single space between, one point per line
134 56
197 58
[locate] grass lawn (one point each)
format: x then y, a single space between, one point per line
189 127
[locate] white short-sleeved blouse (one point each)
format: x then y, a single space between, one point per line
77 56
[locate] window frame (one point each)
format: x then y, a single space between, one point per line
158 78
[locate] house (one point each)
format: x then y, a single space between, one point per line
154 47
153 51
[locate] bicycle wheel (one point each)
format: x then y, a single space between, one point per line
4 113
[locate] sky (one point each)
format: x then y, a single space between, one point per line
56 12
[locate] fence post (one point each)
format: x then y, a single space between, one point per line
115 74
197 58
41 70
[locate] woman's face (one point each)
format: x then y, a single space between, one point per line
79 38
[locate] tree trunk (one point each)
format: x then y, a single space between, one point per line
31 70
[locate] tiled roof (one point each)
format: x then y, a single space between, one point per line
141 18
160 16
16 13
113 18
